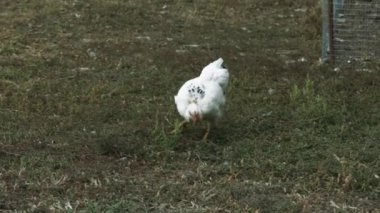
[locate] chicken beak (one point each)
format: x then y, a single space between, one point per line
194 118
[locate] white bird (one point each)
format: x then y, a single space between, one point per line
202 98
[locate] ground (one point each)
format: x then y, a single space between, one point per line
87 110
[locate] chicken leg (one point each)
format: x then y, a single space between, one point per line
207 131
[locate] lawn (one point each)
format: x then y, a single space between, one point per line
87 110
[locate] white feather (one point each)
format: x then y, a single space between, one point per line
216 72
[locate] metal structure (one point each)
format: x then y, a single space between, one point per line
351 32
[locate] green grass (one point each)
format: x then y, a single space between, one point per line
87 111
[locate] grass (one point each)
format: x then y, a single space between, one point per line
87 110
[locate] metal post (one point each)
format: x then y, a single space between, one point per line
331 29
325 31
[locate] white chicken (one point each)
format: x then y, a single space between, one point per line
202 98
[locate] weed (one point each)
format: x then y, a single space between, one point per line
165 140
307 102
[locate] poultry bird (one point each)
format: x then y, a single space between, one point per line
202 98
